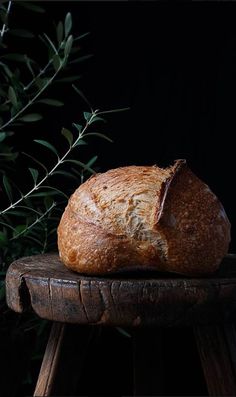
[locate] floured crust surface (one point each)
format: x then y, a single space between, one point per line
144 217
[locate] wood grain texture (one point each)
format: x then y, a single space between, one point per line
138 299
216 345
50 362
63 360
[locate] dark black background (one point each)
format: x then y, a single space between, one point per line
175 67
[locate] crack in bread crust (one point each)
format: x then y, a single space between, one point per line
144 217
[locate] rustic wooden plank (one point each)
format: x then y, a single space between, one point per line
217 346
50 361
148 370
129 299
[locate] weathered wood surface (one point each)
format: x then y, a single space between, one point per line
217 347
58 294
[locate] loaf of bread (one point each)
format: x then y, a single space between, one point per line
144 218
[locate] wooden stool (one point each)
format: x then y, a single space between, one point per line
159 300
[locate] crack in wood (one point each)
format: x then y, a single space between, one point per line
80 285
50 296
61 295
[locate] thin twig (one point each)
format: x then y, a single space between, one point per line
34 223
42 71
60 161
32 100
4 27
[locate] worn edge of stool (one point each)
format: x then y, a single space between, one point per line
57 294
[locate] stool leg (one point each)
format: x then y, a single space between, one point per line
50 361
147 362
63 360
217 349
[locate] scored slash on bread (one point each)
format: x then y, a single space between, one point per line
144 217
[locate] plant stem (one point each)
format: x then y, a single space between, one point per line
42 71
34 223
33 99
4 27
60 161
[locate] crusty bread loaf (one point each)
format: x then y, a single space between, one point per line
144 218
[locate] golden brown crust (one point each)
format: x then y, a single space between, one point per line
144 217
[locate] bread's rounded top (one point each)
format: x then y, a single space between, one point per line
168 216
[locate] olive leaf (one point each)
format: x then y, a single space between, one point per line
47 145
68 135
68 23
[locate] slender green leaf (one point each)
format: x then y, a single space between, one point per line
78 127
36 161
6 69
19 229
81 36
99 135
68 79
15 212
22 33
68 135
87 116
12 96
31 7
34 174
31 117
56 60
81 142
92 161
81 59
48 201
50 42
51 102
64 173
81 164
28 62
68 24
97 118
7 225
41 82
54 189
81 94
114 110
3 238
123 332
59 32
2 136
47 145
15 57
43 193
7 187
68 45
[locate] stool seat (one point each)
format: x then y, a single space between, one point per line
58 294
137 300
